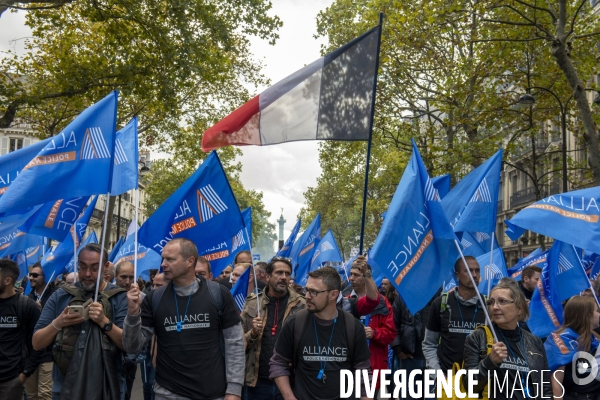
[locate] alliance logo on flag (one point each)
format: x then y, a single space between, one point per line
431 193
237 241
481 236
492 272
563 264
31 251
209 203
482 194
240 300
466 244
94 145
120 154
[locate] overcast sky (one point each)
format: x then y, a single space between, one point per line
282 172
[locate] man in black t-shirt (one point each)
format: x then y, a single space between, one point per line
200 354
323 348
18 316
453 316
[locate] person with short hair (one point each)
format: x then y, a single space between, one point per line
39 384
529 280
260 269
243 257
452 317
277 303
324 332
109 275
124 274
57 317
159 281
203 268
189 328
581 318
518 357
19 315
70 278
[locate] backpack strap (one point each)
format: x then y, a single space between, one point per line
214 288
299 323
21 307
444 303
489 341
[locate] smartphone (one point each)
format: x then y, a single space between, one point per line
76 310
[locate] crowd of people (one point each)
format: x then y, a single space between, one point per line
185 333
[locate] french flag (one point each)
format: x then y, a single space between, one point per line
329 99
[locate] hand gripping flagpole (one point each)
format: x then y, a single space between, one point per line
364 207
487 316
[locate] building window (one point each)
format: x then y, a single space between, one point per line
15 144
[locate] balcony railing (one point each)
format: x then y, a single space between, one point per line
555 188
524 196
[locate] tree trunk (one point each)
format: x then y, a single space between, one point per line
109 224
561 54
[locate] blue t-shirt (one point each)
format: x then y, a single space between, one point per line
57 303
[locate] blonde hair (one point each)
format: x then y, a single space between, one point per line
515 294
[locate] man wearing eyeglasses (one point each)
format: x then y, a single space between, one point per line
315 356
57 317
277 302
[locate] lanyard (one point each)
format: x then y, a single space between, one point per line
522 351
323 364
460 311
180 322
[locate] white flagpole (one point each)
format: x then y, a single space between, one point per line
487 316
491 261
101 267
74 237
135 238
47 283
253 272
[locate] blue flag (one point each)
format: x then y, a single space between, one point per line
12 163
303 251
560 349
472 244
125 170
115 249
566 271
537 257
56 260
327 250
286 249
21 259
239 291
545 308
571 217
247 217
34 254
493 271
13 240
202 207
76 162
472 205
147 258
442 184
54 219
415 247
91 238
592 265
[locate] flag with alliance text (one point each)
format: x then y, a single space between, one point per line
537 257
76 162
415 247
571 217
55 219
202 207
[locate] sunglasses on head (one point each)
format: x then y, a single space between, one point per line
34 275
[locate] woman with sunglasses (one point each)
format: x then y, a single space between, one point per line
517 358
581 317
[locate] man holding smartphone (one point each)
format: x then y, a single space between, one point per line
58 320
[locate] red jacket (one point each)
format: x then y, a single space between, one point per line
381 320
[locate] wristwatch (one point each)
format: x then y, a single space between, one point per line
108 326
